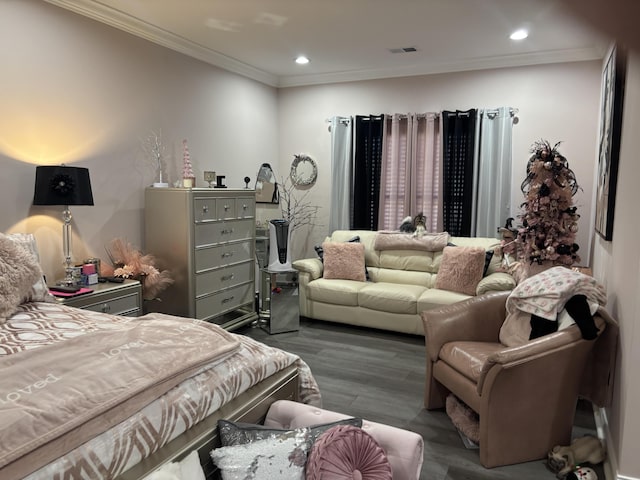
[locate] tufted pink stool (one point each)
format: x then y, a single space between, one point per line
404 449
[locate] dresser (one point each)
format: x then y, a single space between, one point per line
206 238
115 298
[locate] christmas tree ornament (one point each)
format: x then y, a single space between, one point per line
188 178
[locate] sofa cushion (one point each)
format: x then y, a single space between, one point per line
429 242
461 269
343 261
337 292
434 297
468 357
390 297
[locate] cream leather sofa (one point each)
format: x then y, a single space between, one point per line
401 285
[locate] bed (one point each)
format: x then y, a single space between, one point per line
91 395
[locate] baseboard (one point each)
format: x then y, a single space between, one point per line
604 434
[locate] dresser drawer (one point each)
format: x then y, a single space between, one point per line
128 304
220 255
221 302
226 208
220 232
245 207
204 209
209 282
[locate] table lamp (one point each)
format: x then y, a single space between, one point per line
63 185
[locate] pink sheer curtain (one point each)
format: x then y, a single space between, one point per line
411 170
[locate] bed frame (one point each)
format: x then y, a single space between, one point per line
249 407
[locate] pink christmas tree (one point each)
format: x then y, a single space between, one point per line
549 220
188 178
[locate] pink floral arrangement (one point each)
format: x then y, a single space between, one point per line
128 262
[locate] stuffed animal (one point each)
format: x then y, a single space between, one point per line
587 449
582 473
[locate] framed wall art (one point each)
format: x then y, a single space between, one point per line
613 83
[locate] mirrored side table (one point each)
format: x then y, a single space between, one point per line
279 310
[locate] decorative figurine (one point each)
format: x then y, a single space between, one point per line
210 177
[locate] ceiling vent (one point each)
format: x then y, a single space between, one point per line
403 50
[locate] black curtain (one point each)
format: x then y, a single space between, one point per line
367 168
458 148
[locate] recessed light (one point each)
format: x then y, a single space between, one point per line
519 35
302 60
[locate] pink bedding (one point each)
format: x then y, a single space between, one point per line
78 419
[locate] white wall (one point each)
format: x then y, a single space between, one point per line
556 102
73 90
616 265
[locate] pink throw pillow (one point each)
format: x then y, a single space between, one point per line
346 452
344 261
461 269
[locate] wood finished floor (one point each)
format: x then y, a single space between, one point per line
379 376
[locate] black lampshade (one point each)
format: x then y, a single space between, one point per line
62 185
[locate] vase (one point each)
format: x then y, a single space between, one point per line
279 246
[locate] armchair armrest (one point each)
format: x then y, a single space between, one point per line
312 266
477 319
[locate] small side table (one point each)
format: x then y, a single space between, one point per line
279 311
113 298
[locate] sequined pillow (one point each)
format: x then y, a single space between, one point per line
238 433
278 456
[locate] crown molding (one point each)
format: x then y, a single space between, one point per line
487 63
115 18
139 28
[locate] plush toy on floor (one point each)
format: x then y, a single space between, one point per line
582 473
564 460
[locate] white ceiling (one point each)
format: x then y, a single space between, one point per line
351 39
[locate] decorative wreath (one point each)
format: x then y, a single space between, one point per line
62 184
303 176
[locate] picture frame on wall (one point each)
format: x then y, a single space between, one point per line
613 84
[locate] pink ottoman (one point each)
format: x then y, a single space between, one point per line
404 449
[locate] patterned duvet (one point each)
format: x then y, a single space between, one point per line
124 444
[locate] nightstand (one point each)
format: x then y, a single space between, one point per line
113 298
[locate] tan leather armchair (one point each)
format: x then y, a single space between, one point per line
525 396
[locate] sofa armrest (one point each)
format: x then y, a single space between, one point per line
476 319
495 282
312 266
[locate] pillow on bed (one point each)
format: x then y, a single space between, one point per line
280 456
237 433
344 261
461 269
39 290
19 270
345 453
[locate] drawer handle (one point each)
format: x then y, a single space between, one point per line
226 207
244 207
227 231
227 254
106 308
205 209
228 299
226 278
